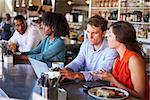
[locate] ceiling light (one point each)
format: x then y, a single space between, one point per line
17 3
69 2
30 3
87 1
23 3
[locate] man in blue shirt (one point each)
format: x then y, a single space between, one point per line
94 54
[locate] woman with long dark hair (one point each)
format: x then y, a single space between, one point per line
52 48
129 70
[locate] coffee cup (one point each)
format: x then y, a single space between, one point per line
57 65
50 93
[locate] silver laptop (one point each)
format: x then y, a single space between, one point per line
38 67
3 94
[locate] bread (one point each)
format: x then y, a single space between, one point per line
105 92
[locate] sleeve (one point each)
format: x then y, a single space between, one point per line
79 61
52 51
31 38
35 50
106 64
13 38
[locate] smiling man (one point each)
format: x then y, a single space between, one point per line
94 54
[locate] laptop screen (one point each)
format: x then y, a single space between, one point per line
38 67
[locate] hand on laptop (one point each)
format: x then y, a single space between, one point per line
68 73
56 69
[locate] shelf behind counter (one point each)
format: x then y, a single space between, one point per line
72 49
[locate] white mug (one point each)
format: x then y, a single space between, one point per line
8 59
57 64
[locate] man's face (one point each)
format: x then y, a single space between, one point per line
7 17
95 34
20 26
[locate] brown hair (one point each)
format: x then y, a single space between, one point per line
126 34
98 21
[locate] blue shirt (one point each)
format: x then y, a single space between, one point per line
90 60
55 51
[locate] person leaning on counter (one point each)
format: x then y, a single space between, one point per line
94 53
52 48
26 37
129 70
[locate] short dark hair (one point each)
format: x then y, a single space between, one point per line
98 21
57 21
18 17
7 14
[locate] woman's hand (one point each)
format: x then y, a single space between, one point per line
103 75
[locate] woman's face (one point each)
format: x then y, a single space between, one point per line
48 30
112 42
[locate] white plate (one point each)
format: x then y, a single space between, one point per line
92 90
52 74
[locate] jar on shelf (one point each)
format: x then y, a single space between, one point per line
110 3
122 17
114 3
97 3
123 4
102 3
106 3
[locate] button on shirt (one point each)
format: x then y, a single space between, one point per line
90 60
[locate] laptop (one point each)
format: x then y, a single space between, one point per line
3 94
38 67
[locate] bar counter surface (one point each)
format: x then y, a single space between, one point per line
19 82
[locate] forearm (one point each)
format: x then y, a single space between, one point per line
133 93
69 69
79 76
77 63
42 57
36 56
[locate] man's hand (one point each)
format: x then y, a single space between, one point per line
68 74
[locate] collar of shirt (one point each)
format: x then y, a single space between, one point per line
103 46
49 42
